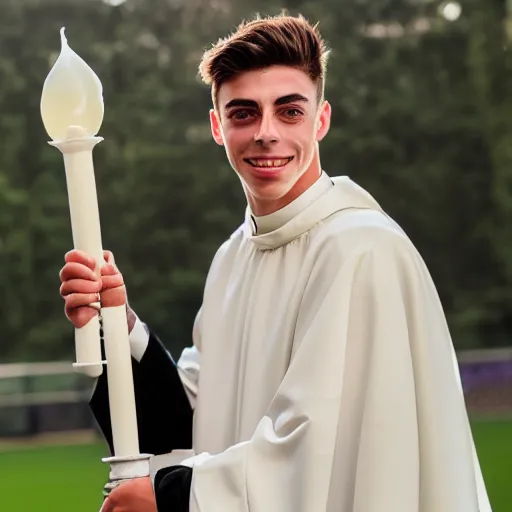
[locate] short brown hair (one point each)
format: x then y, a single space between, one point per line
279 40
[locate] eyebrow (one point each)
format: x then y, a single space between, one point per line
290 98
283 100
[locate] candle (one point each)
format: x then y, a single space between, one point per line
72 113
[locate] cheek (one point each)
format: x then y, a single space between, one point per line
305 141
236 141
306 132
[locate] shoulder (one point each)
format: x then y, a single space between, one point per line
233 240
351 237
371 249
360 230
232 243
227 249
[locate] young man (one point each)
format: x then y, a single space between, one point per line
322 376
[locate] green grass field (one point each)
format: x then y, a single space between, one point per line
52 479
70 478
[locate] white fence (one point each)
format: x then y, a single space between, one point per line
43 397
40 397
23 380
484 355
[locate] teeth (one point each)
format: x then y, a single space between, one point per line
269 163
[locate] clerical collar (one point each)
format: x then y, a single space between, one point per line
273 221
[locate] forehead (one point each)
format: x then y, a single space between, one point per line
266 85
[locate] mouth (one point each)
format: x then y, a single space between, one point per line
268 164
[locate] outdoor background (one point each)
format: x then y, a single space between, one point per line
422 118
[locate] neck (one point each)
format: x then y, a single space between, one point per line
308 178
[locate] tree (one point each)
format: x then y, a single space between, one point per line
421 119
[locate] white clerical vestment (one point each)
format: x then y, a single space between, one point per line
322 374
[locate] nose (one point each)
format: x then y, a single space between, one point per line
267 130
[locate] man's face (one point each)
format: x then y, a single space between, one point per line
270 123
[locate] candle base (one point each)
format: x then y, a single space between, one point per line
123 469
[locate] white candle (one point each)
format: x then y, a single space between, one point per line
77 149
72 112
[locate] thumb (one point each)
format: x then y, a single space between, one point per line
107 505
108 256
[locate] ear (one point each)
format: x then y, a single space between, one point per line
216 128
324 121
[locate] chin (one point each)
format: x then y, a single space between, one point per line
269 191
268 185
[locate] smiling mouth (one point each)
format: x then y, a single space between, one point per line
268 163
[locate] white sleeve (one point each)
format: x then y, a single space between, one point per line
189 363
139 339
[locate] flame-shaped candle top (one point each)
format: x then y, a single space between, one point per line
72 95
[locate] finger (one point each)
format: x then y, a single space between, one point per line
76 300
81 316
74 270
109 257
80 286
116 500
109 270
113 297
77 256
109 282
108 505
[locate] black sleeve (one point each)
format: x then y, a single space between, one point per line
164 414
172 489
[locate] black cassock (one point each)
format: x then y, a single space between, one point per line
164 420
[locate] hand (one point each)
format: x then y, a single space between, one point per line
82 286
113 290
133 496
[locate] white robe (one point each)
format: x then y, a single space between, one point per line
323 375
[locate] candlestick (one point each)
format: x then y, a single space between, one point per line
72 113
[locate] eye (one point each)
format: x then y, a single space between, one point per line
241 115
292 113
